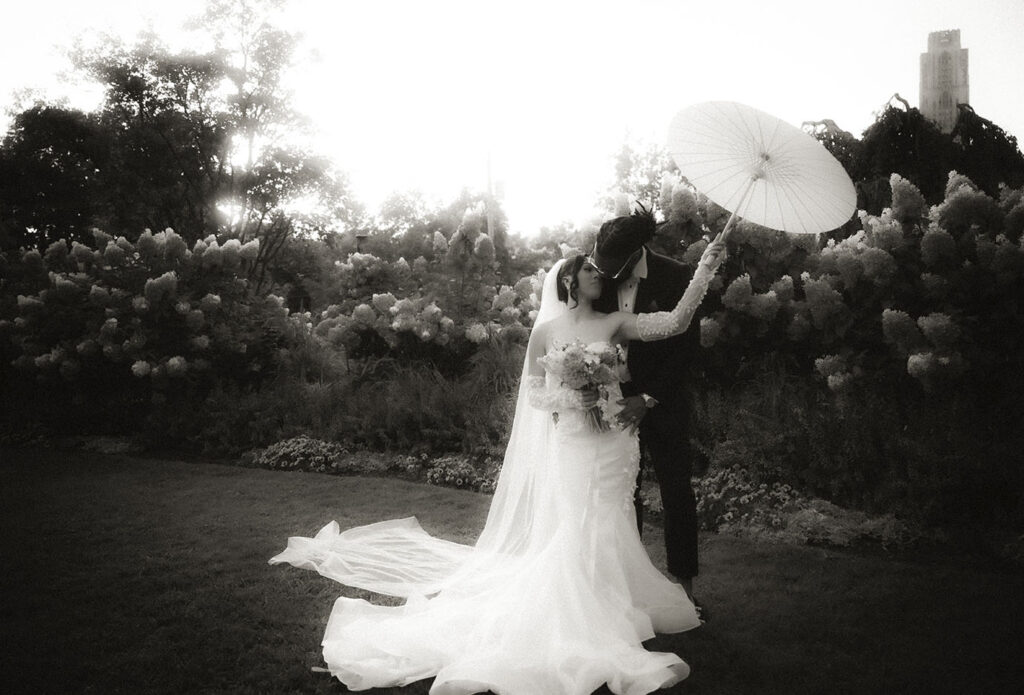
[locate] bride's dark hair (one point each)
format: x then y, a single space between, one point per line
570 268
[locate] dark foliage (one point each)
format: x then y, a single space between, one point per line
51 183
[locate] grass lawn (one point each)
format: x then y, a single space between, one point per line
129 575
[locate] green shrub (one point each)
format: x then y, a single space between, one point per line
734 500
309 454
303 453
460 472
735 495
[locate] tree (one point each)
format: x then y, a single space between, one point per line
402 211
987 154
205 143
638 174
904 142
269 163
840 143
50 186
168 136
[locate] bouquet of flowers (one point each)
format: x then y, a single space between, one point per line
586 367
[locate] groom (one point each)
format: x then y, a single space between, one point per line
657 395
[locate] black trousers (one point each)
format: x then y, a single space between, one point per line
663 441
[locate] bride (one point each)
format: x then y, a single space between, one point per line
558 593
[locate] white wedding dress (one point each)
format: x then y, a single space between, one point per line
555 598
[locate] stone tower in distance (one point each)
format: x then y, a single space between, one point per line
943 78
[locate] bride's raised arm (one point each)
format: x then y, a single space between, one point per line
665 324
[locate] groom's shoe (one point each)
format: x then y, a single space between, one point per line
687 583
703 614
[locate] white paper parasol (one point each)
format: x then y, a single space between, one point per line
760 168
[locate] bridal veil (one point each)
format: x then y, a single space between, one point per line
398 558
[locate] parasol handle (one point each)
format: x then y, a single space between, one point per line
723 235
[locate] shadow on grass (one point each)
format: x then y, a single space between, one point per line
133 575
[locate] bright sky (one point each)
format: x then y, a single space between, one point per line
417 94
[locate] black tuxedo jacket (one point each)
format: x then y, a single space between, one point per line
662 368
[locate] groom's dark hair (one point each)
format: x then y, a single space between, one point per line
619 241
570 268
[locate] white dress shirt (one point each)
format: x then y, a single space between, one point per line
627 300
629 286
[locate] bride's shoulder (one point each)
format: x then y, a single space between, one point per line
542 328
552 326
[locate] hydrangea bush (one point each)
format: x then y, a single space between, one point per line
878 366
101 335
423 351
883 358
422 326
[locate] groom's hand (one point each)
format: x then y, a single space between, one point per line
633 410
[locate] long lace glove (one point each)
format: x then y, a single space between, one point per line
551 399
664 324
